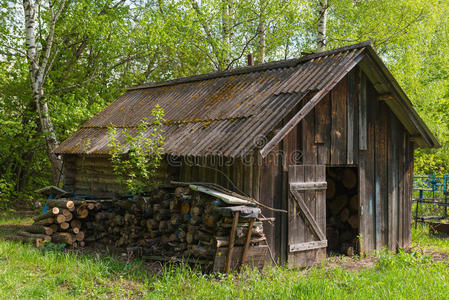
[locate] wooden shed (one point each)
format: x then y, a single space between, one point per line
278 132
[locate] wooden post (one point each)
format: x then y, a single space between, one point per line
231 242
248 239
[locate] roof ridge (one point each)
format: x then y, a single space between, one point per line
250 69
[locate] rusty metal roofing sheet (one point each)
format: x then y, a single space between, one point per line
227 113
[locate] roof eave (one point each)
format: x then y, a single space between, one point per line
422 135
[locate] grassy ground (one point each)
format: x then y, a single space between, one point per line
29 273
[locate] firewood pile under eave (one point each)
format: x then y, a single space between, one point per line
172 223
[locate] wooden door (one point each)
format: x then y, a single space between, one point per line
306 215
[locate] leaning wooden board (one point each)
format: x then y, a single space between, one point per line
256 257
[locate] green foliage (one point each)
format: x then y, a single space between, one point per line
137 158
105 46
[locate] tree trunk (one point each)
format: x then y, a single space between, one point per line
322 25
37 74
261 31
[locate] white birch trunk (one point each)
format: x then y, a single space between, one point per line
322 25
37 77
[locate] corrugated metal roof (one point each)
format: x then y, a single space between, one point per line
224 113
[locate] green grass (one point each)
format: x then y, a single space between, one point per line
29 273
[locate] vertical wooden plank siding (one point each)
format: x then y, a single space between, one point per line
309 154
392 203
296 228
268 173
338 131
408 200
323 129
299 229
363 142
369 179
350 118
356 115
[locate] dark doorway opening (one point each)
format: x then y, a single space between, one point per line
342 210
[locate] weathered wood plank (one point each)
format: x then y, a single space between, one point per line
309 154
308 186
363 142
339 130
256 257
351 89
381 178
310 218
322 130
308 246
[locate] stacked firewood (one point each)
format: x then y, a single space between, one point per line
62 223
342 210
171 222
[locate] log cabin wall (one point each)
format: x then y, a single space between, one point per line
93 175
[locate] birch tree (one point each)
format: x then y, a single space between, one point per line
40 64
322 25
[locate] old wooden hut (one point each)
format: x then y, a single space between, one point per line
280 132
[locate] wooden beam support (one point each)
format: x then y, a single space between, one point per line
248 240
231 242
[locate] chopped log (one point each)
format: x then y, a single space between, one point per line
33 235
60 218
175 205
185 208
151 224
68 217
162 214
48 214
38 229
82 244
19 238
200 251
54 227
176 219
62 237
79 236
46 221
75 224
337 204
195 220
61 203
75 230
82 212
90 206
354 221
195 211
64 225
40 242
349 179
354 203
191 237
331 189
344 215
209 220
55 210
